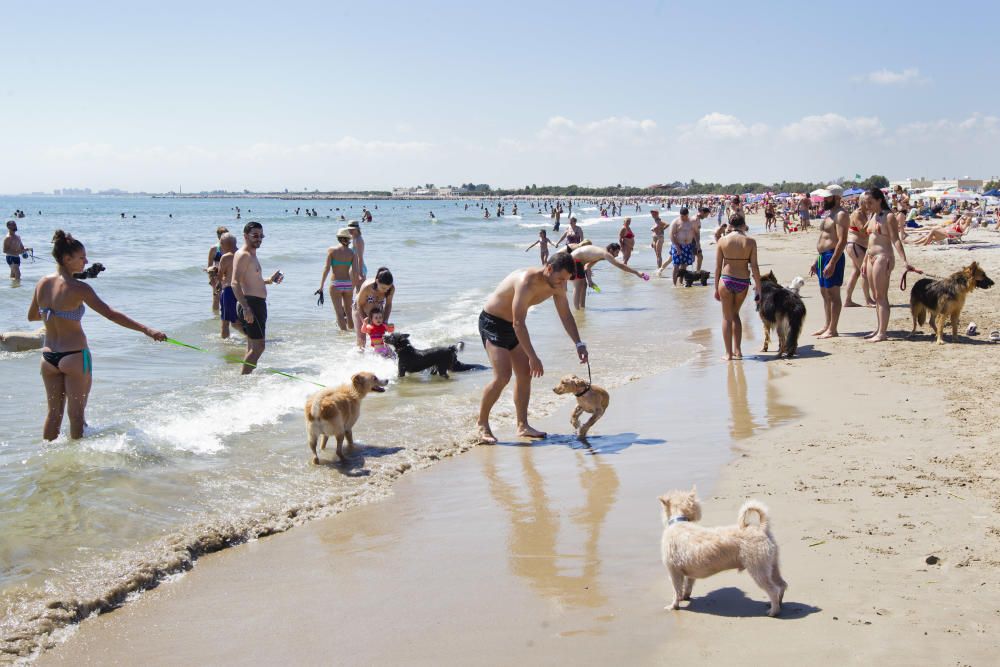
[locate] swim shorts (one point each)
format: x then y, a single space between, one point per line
804 216
837 279
256 330
498 331
13 260
683 255
581 271
227 305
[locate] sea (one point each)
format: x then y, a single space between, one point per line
183 456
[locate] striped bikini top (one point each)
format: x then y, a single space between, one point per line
75 315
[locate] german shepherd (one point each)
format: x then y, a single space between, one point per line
944 299
783 309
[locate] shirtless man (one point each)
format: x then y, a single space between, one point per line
829 267
227 299
803 207
659 226
13 248
505 336
249 288
684 243
585 257
358 244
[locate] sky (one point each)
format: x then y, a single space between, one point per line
338 96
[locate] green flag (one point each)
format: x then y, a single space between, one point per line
857 177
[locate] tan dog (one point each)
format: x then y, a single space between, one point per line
335 411
692 552
588 399
22 341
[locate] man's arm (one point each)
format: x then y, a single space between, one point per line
520 306
842 222
240 263
569 323
614 262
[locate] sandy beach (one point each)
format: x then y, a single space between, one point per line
878 463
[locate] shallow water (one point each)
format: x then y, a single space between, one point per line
183 455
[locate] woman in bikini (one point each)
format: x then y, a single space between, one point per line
857 248
66 362
344 263
883 237
212 268
659 226
735 262
626 239
374 293
955 230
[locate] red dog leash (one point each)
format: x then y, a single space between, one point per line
902 281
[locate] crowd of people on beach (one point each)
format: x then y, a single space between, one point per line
870 229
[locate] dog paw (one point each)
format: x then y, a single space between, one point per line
315 460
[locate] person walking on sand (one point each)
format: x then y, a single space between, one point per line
684 243
59 300
227 300
344 263
803 207
358 244
626 239
250 290
830 260
735 262
13 248
857 249
543 244
883 237
504 330
584 259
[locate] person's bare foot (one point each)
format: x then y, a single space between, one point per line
851 304
820 332
486 436
869 304
727 358
526 431
830 334
878 339
737 356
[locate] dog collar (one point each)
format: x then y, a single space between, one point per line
676 519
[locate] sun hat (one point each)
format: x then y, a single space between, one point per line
354 224
343 233
834 190
822 192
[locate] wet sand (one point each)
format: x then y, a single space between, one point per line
871 457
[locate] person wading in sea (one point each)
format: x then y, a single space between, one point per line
504 331
249 287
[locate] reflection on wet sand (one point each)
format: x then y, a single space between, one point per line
742 423
570 579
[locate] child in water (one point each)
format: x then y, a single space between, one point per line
376 330
543 244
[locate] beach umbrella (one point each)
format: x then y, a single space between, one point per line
853 192
992 193
960 195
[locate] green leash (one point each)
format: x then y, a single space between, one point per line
237 360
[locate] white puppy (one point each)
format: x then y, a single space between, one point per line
797 284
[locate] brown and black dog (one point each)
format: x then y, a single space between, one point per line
944 299
782 309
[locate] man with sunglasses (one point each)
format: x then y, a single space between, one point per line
249 288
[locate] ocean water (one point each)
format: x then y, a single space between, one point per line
184 456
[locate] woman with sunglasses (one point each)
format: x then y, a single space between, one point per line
374 293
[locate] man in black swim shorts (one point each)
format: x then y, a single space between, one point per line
249 288
505 336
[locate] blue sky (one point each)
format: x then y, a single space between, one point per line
344 95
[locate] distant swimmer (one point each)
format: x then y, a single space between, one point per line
224 280
543 244
432 215
659 226
503 328
626 238
250 290
13 248
59 301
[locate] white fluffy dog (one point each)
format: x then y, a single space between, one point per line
692 552
797 284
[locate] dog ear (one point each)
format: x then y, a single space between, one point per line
404 335
358 380
694 491
665 501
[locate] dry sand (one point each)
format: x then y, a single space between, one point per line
872 458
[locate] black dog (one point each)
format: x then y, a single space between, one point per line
440 360
782 308
692 277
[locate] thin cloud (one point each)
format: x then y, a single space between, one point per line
887 77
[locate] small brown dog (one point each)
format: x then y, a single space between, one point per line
588 399
692 552
335 411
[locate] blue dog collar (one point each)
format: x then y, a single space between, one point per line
676 519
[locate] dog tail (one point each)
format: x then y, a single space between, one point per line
753 506
315 408
460 345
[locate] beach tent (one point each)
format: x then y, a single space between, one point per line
853 192
992 193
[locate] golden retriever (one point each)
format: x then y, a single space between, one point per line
336 410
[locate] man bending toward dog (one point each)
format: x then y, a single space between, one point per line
505 336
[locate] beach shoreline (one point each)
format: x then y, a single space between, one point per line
861 489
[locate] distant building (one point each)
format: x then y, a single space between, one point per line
974 184
912 183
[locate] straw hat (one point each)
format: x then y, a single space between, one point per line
344 233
